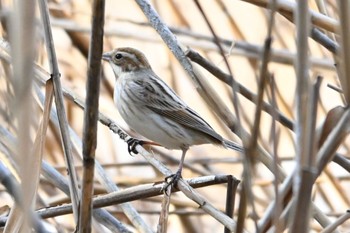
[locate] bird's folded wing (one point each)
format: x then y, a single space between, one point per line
190 120
153 93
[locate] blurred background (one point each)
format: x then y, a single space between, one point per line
242 28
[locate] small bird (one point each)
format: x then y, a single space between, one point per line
151 108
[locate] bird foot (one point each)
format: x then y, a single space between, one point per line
174 178
132 143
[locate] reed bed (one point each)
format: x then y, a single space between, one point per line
270 75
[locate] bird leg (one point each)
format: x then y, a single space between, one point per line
177 175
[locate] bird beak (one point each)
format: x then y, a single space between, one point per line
107 56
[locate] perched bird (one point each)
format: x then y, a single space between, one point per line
151 108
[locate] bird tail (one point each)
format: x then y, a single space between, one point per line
233 145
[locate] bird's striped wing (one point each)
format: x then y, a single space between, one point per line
187 117
152 92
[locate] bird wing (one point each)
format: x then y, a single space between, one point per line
152 92
188 117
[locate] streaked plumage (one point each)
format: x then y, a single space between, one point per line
150 107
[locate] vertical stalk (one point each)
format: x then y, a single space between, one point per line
303 179
91 115
22 35
61 113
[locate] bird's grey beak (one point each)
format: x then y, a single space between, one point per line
107 56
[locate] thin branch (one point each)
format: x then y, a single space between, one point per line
63 123
91 115
304 177
344 66
221 50
332 227
162 226
231 192
167 36
129 194
287 7
214 70
22 34
204 42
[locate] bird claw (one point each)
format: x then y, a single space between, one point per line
132 143
174 179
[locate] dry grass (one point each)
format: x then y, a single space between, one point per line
260 72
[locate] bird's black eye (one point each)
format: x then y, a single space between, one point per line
118 56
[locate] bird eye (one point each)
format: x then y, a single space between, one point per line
118 56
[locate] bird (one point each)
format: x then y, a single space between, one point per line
153 109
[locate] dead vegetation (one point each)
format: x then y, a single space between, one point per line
270 75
